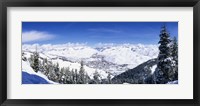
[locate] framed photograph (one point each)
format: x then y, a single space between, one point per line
73 52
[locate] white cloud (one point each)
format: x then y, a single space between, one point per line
105 30
33 35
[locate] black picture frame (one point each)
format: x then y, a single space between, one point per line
99 3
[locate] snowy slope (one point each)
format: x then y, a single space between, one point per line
153 68
138 75
77 66
130 54
173 82
30 76
115 58
32 79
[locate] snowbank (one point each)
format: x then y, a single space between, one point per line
173 82
31 77
153 68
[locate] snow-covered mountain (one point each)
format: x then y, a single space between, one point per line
142 74
114 59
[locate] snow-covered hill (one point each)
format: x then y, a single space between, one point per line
29 76
113 59
142 74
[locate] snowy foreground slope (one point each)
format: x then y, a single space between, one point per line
29 76
173 82
138 75
104 58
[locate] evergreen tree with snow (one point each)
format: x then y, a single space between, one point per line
45 66
48 67
56 72
68 76
82 74
23 57
51 73
73 76
164 65
76 76
56 67
175 50
96 77
62 76
109 78
87 78
175 58
35 61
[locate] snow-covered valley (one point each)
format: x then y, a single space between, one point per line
104 58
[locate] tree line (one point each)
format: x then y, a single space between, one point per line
64 75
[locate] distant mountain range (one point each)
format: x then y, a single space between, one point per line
120 60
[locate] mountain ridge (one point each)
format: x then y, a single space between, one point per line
114 59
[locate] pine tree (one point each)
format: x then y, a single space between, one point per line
56 68
35 61
87 78
164 68
82 74
76 76
51 73
56 72
73 76
23 57
109 78
96 77
62 75
68 75
45 66
175 51
175 58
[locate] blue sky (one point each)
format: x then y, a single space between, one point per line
94 32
